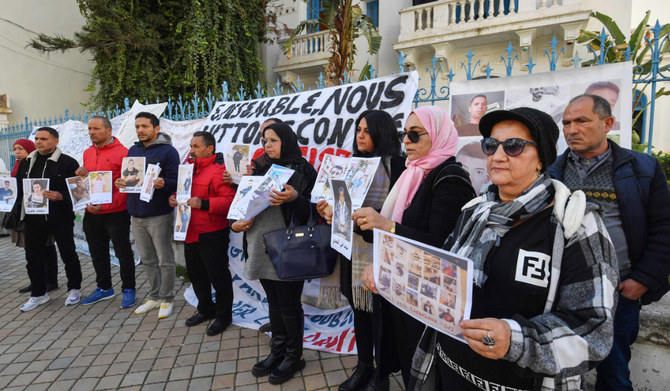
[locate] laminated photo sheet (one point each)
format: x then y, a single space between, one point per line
79 190
184 182
8 193
237 157
258 198
237 207
280 174
153 170
132 171
432 285
34 201
342 227
181 220
100 185
332 167
359 175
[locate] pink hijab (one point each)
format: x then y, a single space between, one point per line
444 137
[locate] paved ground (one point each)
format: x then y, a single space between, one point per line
103 347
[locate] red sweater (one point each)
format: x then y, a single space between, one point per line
208 185
108 158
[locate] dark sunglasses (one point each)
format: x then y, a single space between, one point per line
511 146
412 135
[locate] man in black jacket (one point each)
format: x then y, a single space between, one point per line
40 230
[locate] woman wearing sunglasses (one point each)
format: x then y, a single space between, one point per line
376 135
423 205
284 306
544 281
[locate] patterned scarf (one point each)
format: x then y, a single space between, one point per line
492 218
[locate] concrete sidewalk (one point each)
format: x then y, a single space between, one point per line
101 346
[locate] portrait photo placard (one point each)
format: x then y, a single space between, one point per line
342 227
100 184
132 171
184 182
79 190
34 201
7 193
181 220
153 170
237 157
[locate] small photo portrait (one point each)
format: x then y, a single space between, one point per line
78 188
132 171
387 241
342 211
388 256
398 289
445 314
385 280
33 196
428 290
448 299
236 158
184 182
7 193
449 284
100 183
431 261
412 298
428 306
399 269
608 90
415 268
182 218
551 99
473 160
468 109
413 281
432 275
449 269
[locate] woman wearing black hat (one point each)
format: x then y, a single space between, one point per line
284 306
544 281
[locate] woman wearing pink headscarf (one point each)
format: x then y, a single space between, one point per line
423 205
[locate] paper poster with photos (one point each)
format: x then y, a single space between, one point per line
34 201
332 167
432 285
181 220
184 182
280 174
238 208
79 190
100 185
132 171
7 193
153 170
359 175
237 157
342 227
257 198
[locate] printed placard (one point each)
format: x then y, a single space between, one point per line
153 170
34 201
342 227
432 285
8 193
280 174
181 220
79 190
359 175
100 184
237 157
253 195
184 182
237 207
332 167
132 171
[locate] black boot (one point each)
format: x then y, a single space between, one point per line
277 347
359 379
26 289
293 361
266 328
378 385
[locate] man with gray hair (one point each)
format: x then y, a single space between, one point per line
633 193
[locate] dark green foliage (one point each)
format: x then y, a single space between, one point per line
152 49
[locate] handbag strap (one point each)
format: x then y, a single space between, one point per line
311 222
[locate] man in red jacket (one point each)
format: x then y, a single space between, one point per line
108 221
206 248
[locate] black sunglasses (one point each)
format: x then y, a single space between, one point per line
412 135
511 146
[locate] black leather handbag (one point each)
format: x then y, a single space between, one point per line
301 252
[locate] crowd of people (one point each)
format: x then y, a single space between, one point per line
565 249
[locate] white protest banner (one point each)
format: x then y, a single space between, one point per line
326 330
550 92
7 193
322 119
432 285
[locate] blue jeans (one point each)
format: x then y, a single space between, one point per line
613 372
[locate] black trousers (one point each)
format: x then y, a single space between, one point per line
37 252
207 266
51 265
99 229
284 296
363 325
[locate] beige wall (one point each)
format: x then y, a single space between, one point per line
39 85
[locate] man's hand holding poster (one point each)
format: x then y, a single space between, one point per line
430 284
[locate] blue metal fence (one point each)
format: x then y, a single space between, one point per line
199 107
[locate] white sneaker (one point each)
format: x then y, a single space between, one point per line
73 297
165 311
34 302
147 306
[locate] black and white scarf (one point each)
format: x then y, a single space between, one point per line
492 219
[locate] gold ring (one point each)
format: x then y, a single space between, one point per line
365 221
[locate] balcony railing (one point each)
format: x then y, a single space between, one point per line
310 44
